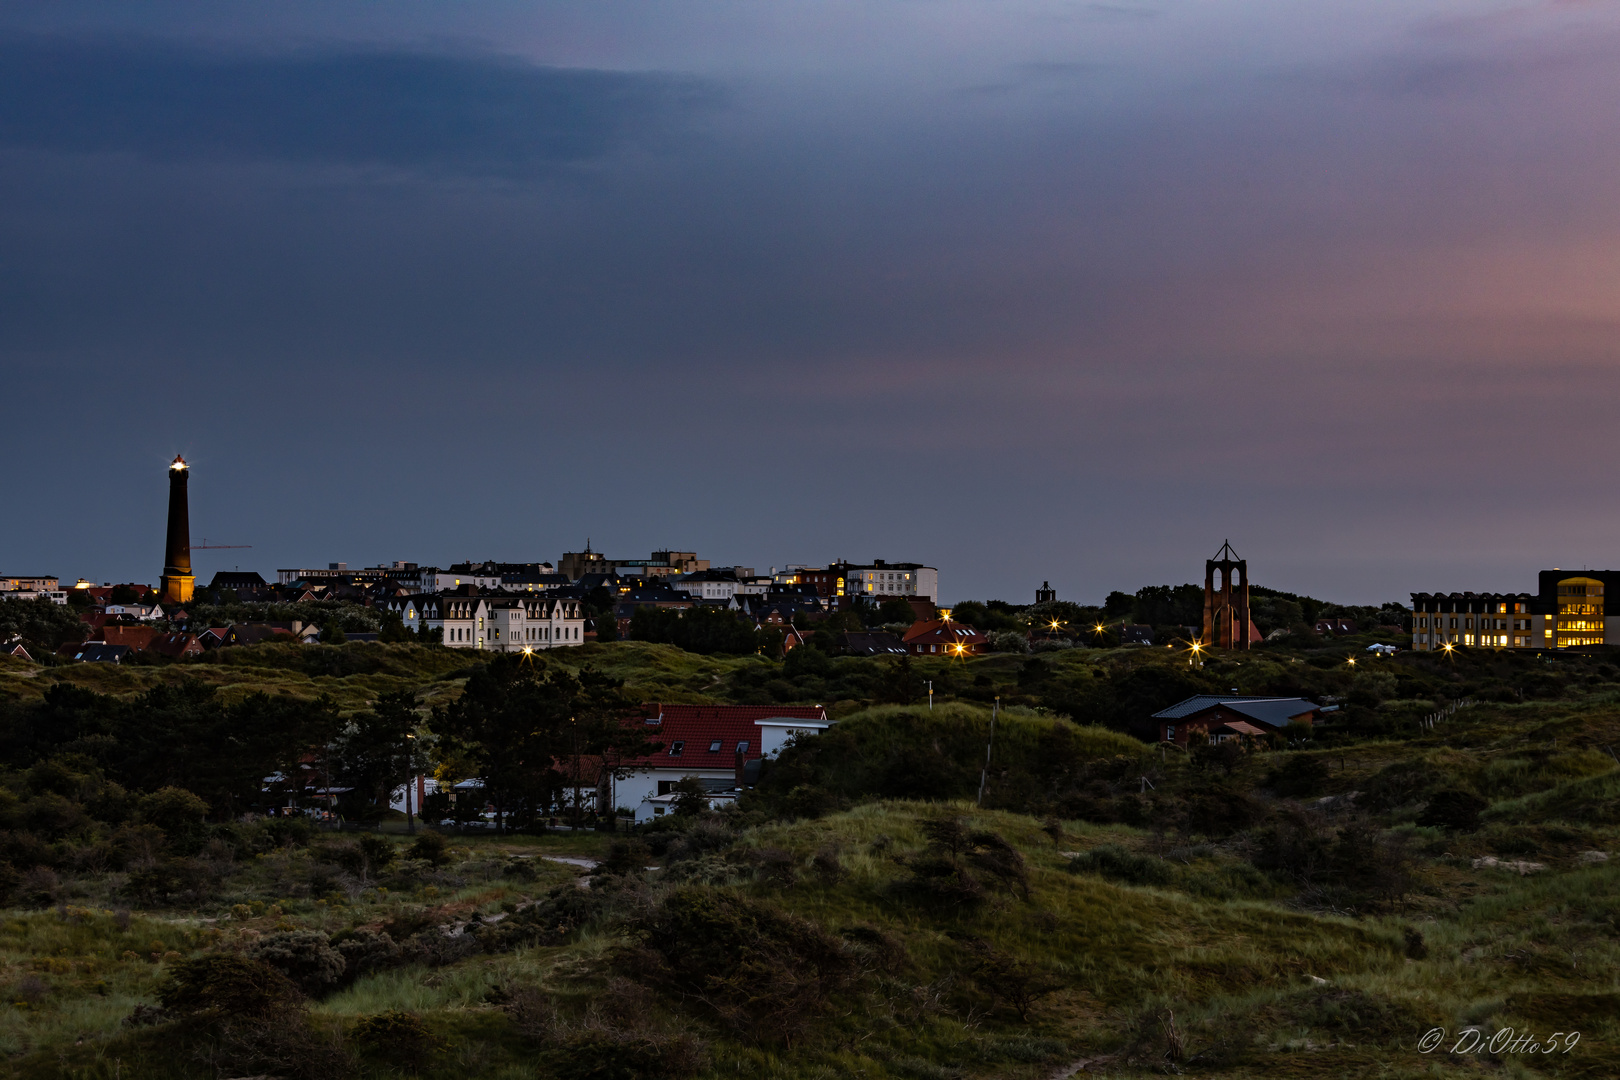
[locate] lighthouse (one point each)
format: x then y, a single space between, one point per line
177 576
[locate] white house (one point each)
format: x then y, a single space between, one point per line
525 623
710 742
656 806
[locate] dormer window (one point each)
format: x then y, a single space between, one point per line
676 747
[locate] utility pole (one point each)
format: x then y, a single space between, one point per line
410 784
984 774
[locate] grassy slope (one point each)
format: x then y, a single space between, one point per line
1538 952
1525 951
357 673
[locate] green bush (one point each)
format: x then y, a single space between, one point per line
225 985
1299 777
398 1038
378 851
432 848
1454 809
180 815
365 950
760 972
304 956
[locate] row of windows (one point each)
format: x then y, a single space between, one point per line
1484 624
1499 608
565 633
679 745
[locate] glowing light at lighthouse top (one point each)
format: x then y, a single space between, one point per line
178 464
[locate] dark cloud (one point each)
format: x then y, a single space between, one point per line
481 114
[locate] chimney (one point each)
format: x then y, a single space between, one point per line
741 761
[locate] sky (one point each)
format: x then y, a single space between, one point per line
1026 290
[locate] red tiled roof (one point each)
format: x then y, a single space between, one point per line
940 631
697 727
176 645
136 637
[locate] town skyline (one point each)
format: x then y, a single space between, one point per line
207 563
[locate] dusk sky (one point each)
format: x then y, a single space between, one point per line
1022 290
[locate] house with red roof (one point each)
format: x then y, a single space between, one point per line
711 742
942 637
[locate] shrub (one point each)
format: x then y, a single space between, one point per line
623 857
1299 777
287 831
1006 979
186 880
39 888
180 815
435 948
612 1055
520 869
225 985
556 920
432 848
691 797
365 950
944 872
398 1038
284 1045
377 851
1010 641
1451 808
304 956
760 972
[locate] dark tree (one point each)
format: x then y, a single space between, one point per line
376 751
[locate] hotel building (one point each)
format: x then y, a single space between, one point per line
1568 611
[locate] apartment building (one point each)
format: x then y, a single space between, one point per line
1569 610
840 582
525 623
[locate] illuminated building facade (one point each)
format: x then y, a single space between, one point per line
1569 611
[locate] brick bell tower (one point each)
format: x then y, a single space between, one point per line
177 578
1226 609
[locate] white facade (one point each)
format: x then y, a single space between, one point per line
55 596
500 623
639 787
899 579
774 734
144 612
657 806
